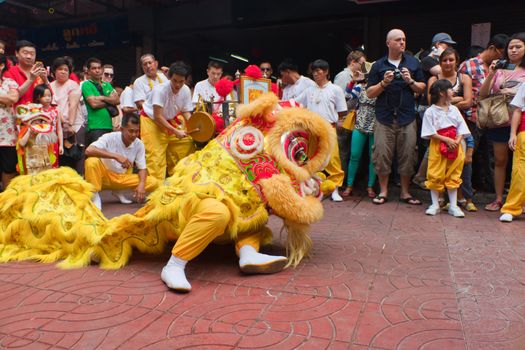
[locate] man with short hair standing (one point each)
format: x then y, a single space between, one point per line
26 73
98 95
144 84
111 160
206 88
294 83
162 122
328 100
394 79
430 64
108 73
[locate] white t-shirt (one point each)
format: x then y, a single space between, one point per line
293 91
143 86
519 99
206 90
437 118
326 101
126 98
395 62
112 142
172 104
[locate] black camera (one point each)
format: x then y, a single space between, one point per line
501 64
397 74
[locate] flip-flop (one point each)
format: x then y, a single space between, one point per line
378 200
410 200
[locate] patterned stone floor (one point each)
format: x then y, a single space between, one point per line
380 277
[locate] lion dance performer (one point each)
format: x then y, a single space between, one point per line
264 161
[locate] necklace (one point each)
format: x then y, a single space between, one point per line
150 82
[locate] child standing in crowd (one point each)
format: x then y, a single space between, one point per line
516 198
445 127
40 141
43 95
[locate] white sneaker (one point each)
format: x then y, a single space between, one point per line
120 196
336 197
433 210
97 201
506 217
456 212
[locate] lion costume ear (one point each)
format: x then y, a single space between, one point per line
22 109
264 105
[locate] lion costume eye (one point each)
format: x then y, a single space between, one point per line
297 146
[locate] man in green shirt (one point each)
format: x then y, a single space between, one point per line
98 95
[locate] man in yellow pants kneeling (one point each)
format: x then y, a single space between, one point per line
111 159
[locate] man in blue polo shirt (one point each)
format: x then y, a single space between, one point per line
394 79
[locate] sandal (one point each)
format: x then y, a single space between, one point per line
494 206
371 193
469 206
347 192
410 200
378 200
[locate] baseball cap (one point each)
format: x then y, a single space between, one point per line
443 38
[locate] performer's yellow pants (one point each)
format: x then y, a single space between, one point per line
334 169
101 178
443 172
163 151
516 197
205 222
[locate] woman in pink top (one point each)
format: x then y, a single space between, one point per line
66 93
505 81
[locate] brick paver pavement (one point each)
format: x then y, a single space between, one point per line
380 277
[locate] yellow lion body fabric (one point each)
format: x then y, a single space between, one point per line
50 217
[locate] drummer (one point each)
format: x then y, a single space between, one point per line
162 122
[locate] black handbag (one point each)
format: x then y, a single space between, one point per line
72 149
112 110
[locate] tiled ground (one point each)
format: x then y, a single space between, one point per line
380 277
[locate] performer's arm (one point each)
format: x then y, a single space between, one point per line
140 191
93 151
161 121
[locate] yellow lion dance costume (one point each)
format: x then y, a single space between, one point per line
264 162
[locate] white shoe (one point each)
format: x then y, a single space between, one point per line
506 217
456 212
175 278
336 197
432 210
120 196
97 201
251 261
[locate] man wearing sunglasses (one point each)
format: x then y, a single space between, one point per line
266 69
108 74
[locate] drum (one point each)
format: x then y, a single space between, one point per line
200 126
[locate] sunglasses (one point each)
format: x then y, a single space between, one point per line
265 69
109 75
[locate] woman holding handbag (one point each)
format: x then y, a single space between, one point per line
504 78
66 96
362 133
